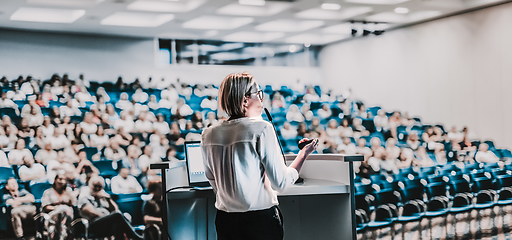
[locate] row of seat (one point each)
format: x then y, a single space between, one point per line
430 192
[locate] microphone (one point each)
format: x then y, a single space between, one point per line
299 180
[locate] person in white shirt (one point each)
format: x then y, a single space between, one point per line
484 155
6 102
140 96
143 125
347 147
45 155
170 94
124 103
47 126
35 118
148 158
454 135
294 114
88 127
58 139
114 152
18 153
57 164
153 104
31 171
99 139
211 119
161 127
124 122
244 165
288 132
182 109
69 110
125 183
324 112
209 102
381 121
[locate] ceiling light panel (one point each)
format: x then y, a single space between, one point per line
132 19
165 6
317 13
377 2
268 9
72 3
48 15
217 22
286 25
252 2
330 6
393 17
316 39
253 36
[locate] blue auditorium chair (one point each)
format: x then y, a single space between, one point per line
6 173
461 196
484 193
37 189
413 205
11 112
504 186
107 168
134 207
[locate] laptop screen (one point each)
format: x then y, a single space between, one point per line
195 166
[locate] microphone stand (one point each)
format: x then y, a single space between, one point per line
299 180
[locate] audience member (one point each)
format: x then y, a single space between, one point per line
105 220
288 132
125 183
45 155
22 203
31 171
153 212
58 203
484 155
294 115
19 152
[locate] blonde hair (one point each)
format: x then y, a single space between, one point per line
232 92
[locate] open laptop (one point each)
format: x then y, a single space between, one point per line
195 167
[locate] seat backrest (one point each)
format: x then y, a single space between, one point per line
37 189
410 193
461 186
6 173
132 206
436 189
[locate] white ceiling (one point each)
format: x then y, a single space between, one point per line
290 21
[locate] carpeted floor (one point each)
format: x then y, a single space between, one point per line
495 223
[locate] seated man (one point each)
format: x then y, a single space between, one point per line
31 171
153 212
103 213
484 155
125 183
22 205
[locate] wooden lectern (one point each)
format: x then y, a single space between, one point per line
322 207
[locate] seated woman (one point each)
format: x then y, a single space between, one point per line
103 213
58 202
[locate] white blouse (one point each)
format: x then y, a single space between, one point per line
244 165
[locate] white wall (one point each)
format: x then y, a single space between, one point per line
105 58
455 71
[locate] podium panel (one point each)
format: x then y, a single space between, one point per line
322 207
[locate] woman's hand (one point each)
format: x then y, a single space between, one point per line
311 147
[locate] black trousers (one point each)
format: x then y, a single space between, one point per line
264 224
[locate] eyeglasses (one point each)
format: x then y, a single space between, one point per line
259 92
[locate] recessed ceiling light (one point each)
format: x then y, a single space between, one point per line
131 19
165 6
318 13
331 6
253 36
75 3
252 2
392 17
211 33
217 22
401 10
287 25
292 48
269 9
48 15
377 2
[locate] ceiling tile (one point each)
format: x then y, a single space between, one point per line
74 3
392 17
316 39
377 2
132 19
48 15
